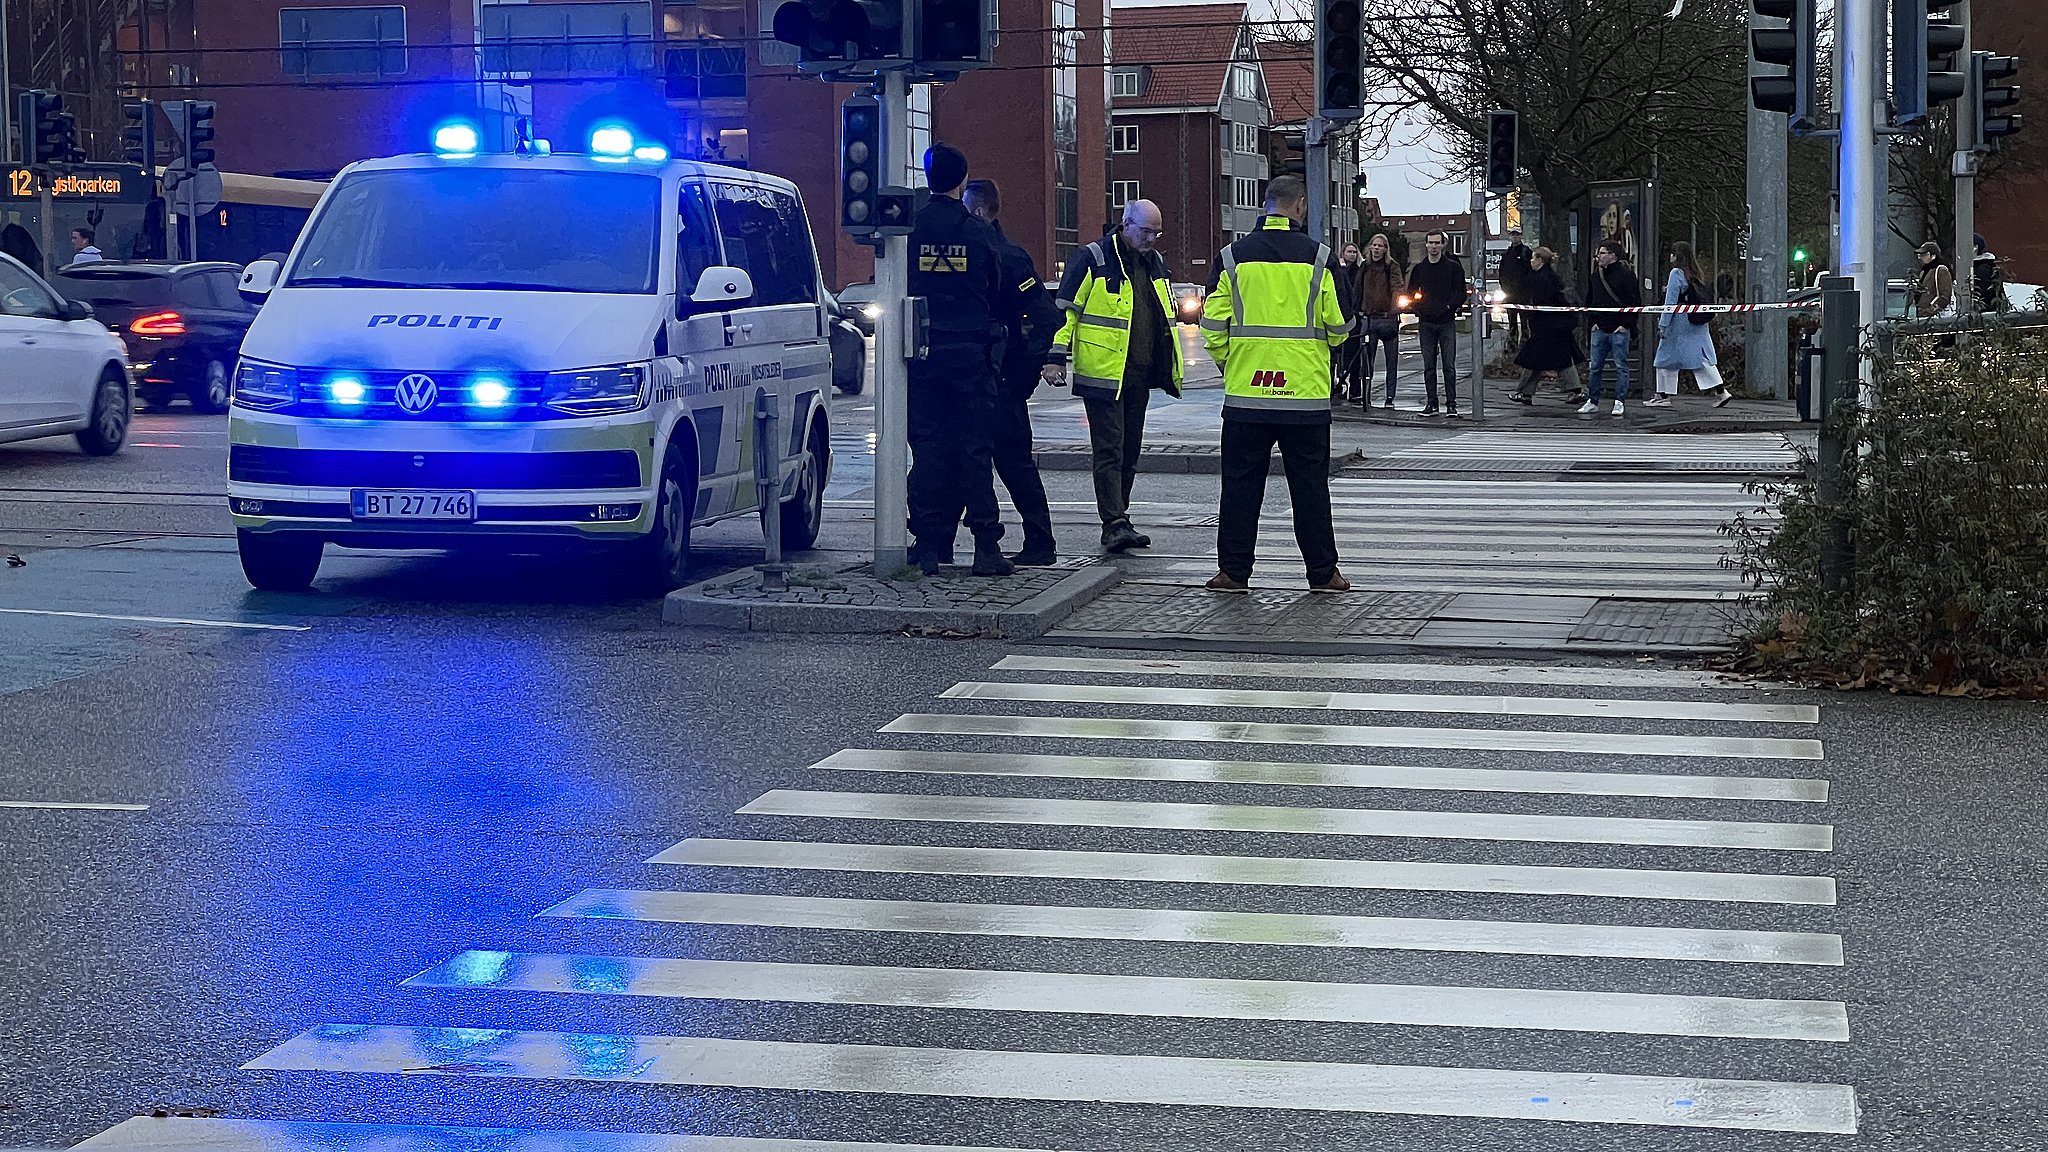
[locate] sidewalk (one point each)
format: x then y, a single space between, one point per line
1691 412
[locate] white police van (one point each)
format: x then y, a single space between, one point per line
468 348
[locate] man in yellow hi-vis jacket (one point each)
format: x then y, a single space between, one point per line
1270 322
1117 296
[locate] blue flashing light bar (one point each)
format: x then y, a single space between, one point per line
611 141
456 138
347 390
654 153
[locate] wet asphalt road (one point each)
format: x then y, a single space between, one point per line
426 754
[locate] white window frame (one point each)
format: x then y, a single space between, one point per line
1244 82
1244 139
1122 192
1123 138
1245 193
1124 84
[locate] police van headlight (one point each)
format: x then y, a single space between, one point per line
260 385
596 391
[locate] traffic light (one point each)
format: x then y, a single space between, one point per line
1358 186
1340 54
860 164
953 36
50 132
1800 255
1290 154
199 134
1795 48
1987 69
835 34
1927 64
1503 131
138 139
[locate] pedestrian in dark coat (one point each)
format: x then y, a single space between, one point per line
1553 343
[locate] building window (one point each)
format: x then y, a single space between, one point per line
1247 192
1244 139
1244 82
1066 127
1124 138
1123 83
1457 243
1123 192
920 106
342 41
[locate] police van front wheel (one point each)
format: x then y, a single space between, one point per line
663 561
803 515
279 562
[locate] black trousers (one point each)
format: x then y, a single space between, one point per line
1116 436
1015 465
1305 455
952 469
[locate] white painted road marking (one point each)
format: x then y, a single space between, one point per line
1275 819
158 620
1355 736
1427 1006
1422 702
211 1134
71 806
1582 1097
1563 677
1503 937
1199 868
1309 775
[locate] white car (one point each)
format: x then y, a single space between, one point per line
60 370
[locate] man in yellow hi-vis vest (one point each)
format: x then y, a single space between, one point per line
1270 322
1117 296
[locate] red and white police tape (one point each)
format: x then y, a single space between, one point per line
1712 308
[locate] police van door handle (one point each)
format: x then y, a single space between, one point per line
747 329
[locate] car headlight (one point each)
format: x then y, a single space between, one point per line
260 385
596 391
871 311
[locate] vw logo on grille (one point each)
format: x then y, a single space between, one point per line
416 393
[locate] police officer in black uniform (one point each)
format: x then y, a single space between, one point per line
956 266
1031 331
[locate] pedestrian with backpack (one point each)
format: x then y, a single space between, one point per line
1686 339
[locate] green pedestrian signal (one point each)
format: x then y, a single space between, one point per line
1799 256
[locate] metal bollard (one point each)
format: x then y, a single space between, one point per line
768 482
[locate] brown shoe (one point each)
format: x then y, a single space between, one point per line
1225 582
1334 585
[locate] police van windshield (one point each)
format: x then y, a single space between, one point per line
500 229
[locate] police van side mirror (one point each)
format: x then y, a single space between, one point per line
258 279
723 286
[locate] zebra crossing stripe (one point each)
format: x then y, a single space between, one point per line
1310 775
1568 1096
1563 677
1197 868
1273 819
1173 925
217 1134
1354 736
1424 702
1191 998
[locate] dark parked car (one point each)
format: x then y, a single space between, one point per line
849 347
183 324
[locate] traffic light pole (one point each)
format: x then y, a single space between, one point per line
892 370
1765 331
1862 179
1475 249
1316 156
1968 110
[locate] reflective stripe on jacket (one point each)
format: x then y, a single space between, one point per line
1097 332
1270 325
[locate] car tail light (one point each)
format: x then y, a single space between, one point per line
158 324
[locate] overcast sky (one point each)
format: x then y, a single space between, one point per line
1407 180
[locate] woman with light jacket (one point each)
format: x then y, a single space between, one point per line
1685 340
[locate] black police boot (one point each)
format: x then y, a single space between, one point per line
989 559
925 560
1036 555
1120 536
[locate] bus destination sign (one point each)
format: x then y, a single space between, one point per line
104 183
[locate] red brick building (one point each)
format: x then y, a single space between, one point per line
2012 205
1189 110
304 90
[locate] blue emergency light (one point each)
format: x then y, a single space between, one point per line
611 142
490 392
456 138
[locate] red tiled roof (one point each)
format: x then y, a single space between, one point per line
1290 79
1167 38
